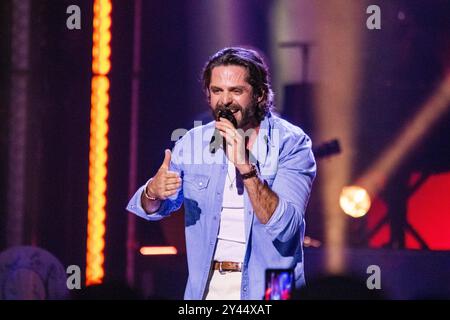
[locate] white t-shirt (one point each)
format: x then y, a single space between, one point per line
231 238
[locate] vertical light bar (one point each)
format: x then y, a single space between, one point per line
101 52
134 130
17 140
339 31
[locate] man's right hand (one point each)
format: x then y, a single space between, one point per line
165 183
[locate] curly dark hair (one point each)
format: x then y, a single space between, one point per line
258 74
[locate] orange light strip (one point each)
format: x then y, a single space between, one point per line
98 155
153 251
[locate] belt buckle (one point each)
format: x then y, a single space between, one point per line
220 268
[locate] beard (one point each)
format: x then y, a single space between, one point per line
248 118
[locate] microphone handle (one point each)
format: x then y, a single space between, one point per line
215 142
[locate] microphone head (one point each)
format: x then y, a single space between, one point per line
227 114
216 139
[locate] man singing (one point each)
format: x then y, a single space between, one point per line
245 200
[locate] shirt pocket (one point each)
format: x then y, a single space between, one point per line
195 185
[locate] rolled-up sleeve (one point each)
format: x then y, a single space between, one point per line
167 206
293 182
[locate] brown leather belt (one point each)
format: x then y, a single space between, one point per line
224 266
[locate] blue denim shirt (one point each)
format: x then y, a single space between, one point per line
284 159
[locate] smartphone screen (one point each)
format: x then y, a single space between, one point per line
279 284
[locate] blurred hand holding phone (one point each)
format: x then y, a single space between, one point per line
280 284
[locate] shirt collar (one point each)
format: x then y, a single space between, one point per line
260 148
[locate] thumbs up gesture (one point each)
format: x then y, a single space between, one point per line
165 183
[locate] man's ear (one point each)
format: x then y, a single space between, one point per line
260 97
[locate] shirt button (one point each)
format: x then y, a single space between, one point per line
245 288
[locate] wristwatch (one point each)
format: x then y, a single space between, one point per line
252 173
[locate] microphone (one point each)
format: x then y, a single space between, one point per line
217 139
